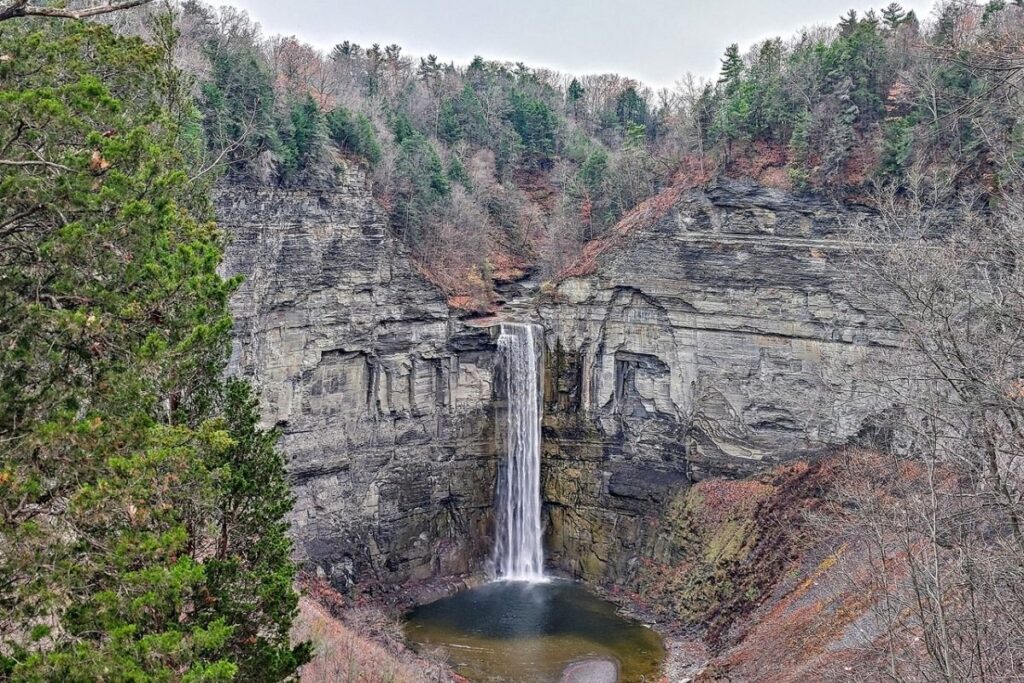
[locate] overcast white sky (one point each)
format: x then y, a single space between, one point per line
655 41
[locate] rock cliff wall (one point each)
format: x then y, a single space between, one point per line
382 397
719 335
715 335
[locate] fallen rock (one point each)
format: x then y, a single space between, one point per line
591 671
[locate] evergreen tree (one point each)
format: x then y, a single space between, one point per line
401 127
535 123
770 110
476 72
448 127
304 134
472 119
250 575
848 23
631 108
374 69
354 133
457 172
893 16
573 95
897 147
420 182
142 526
594 169
344 51
429 69
732 69
237 104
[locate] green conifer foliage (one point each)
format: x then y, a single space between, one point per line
355 133
141 511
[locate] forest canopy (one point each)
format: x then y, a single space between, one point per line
493 170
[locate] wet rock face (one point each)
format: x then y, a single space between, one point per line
382 397
715 341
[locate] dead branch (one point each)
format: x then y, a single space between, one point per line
23 8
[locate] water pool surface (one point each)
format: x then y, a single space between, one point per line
515 632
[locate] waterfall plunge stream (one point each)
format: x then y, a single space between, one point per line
524 628
518 550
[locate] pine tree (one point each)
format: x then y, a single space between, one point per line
420 182
457 172
471 117
237 103
732 69
429 68
344 51
304 135
574 94
535 123
594 169
631 108
893 16
848 24
354 133
449 129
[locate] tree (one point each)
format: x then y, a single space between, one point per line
946 277
463 118
631 108
250 576
141 514
457 172
770 111
448 127
594 169
848 23
237 104
354 133
429 69
535 123
304 134
420 183
897 146
893 16
732 69
345 50
573 95
23 8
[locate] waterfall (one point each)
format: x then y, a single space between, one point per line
518 550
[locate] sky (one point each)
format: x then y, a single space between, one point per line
654 41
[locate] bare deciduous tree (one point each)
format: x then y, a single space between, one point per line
940 511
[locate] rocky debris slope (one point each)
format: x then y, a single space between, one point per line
715 334
383 398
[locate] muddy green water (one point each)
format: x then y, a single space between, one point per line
528 633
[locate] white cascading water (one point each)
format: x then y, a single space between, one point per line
518 550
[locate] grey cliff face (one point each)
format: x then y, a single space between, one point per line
716 340
722 338
382 397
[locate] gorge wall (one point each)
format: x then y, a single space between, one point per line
382 396
713 335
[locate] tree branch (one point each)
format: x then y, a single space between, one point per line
22 8
32 162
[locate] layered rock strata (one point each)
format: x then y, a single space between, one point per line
382 397
718 336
